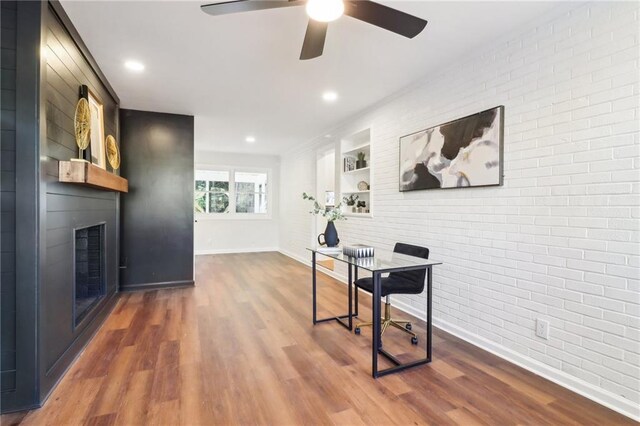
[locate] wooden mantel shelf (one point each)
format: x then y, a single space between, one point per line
85 173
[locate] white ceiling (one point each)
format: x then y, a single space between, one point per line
240 75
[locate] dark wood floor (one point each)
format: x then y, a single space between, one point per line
240 349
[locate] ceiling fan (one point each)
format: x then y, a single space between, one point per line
321 12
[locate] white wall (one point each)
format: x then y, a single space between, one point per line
325 181
559 240
233 235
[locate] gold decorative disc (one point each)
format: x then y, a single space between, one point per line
113 153
82 123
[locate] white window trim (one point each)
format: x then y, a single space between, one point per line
232 215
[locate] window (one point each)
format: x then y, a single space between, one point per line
239 193
212 192
251 192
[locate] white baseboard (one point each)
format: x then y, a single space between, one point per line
579 386
296 257
230 251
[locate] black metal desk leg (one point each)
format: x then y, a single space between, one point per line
313 284
355 278
429 310
350 297
339 318
377 339
376 342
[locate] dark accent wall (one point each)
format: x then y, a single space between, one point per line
157 213
67 207
51 62
27 153
44 63
8 11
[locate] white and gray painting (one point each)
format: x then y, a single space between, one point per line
462 153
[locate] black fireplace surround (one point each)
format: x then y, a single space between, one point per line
89 270
69 276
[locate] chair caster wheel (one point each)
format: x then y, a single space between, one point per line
414 340
408 326
357 330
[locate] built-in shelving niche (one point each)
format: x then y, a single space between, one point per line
353 173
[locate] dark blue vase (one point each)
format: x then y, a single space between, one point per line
330 236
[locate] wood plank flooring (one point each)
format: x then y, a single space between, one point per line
239 348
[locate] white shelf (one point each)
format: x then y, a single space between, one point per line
363 169
352 151
351 214
351 146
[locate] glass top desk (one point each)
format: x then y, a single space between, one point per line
382 262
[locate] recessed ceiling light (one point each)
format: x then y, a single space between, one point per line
327 135
330 96
250 139
134 66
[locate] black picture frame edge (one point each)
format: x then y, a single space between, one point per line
500 165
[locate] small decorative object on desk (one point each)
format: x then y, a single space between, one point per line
330 234
358 250
330 250
366 262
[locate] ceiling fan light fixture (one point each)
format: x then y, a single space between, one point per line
325 10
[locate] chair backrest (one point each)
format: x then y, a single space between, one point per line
416 277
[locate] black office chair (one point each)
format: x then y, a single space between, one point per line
408 282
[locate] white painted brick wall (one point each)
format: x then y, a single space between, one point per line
559 241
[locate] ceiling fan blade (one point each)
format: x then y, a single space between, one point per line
237 6
314 39
385 17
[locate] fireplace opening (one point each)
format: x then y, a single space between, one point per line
90 283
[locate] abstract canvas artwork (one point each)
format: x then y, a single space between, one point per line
465 152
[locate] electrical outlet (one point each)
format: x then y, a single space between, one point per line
542 328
